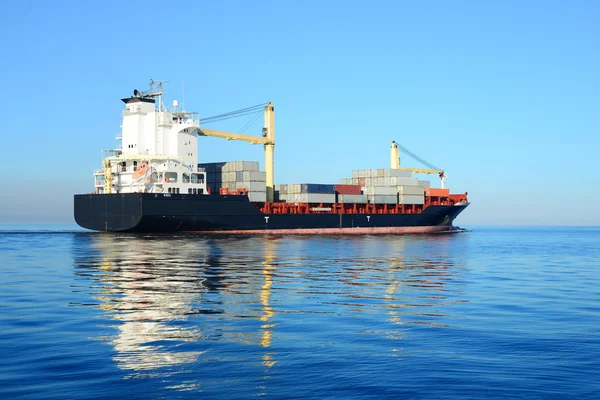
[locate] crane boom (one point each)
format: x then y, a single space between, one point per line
234 136
268 140
421 170
395 163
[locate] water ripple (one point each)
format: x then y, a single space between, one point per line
493 313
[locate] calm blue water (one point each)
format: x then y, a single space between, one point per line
492 313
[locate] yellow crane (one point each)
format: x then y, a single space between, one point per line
267 139
395 163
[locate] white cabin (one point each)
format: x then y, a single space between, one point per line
158 152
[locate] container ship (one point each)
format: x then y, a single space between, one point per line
152 182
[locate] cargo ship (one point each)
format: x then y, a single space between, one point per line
152 182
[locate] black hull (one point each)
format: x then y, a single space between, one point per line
147 212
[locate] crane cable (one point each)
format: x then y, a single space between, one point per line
416 157
234 114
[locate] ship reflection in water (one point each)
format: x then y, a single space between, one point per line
185 301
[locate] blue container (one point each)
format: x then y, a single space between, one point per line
317 188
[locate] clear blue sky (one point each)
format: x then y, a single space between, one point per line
504 94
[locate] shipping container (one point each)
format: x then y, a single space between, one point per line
401 181
239 176
411 199
437 192
311 198
419 190
251 186
257 196
382 199
253 176
381 190
352 199
425 184
348 189
397 173
294 188
317 188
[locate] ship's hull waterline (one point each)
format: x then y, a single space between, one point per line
227 214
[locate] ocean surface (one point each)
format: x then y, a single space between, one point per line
490 313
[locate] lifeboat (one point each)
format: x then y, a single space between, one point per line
141 171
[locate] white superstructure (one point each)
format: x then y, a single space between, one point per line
158 152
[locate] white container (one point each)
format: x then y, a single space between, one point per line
355 173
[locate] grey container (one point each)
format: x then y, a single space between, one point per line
412 199
242 166
352 199
294 188
425 184
251 186
408 190
381 190
239 176
226 167
257 196
397 172
283 189
253 176
400 181
383 199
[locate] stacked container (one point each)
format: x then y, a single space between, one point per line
233 175
315 193
387 186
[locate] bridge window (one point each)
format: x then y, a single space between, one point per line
185 178
135 165
124 166
171 177
197 178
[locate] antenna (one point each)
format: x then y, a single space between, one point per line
158 92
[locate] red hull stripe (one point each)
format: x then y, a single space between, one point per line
333 231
